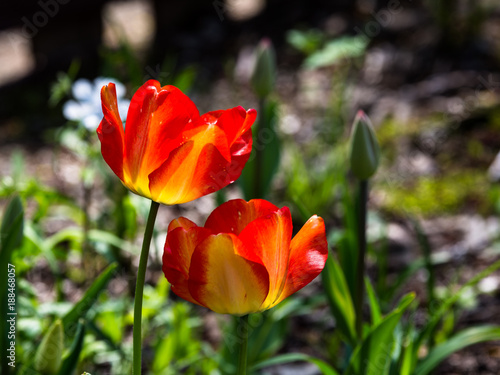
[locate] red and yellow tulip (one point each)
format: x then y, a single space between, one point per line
167 151
244 259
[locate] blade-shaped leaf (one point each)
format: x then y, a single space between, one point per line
71 360
409 355
294 357
459 341
373 355
76 234
11 234
374 305
339 298
448 303
83 306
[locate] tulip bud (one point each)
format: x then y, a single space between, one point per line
264 73
365 150
48 358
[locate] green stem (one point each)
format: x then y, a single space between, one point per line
139 288
359 297
243 333
259 150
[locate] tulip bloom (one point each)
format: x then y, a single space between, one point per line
244 259
167 151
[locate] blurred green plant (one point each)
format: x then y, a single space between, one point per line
50 357
323 53
11 236
260 170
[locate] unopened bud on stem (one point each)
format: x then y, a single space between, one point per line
264 73
365 150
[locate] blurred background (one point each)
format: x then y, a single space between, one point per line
426 72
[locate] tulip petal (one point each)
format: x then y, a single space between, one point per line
196 168
224 281
240 153
235 121
308 254
234 215
179 247
181 222
267 241
110 131
157 116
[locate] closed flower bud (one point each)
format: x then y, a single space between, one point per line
365 150
264 73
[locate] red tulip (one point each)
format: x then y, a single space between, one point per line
244 259
167 151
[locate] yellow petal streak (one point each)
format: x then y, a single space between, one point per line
225 282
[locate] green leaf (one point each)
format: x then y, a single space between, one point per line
185 79
461 340
48 357
373 355
294 357
11 235
71 360
374 305
265 158
446 305
426 248
83 306
346 47
40 244
305 41
339 298
409 357
109 238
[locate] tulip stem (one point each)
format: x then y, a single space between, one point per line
360 274
139 288
259 150
242 331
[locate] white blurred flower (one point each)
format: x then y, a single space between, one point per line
86 108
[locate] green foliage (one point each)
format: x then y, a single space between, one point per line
374 303
312 189
48 358
437 195
62 87
336 51
324 367
70 361
81 308
11 231
11 235
263 163
179 348
307 42
340 299
467 337
321 53
372 356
